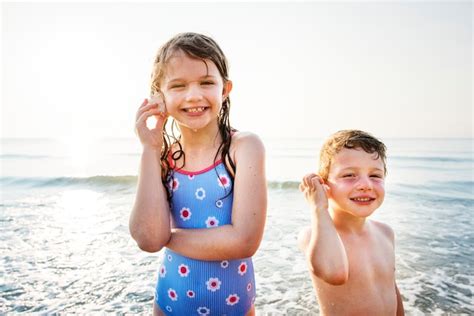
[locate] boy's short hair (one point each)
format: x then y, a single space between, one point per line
351 139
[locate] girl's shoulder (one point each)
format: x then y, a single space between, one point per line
246 139
246 142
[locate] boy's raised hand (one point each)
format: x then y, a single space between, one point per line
315 191
152 138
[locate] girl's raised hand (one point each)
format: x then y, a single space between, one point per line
151 138
315 191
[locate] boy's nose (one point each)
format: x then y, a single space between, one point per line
364 184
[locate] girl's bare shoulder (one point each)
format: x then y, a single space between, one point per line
245 141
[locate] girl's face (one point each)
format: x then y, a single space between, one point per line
356 181
193 90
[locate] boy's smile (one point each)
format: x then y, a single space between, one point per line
356 182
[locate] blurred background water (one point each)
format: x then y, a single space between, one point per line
66 248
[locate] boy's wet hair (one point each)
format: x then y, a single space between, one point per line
351 139
200 47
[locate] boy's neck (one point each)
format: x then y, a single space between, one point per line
344 221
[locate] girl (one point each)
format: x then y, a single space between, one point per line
201 194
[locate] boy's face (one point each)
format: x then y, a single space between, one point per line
356 181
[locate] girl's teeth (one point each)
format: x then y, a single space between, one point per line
194 110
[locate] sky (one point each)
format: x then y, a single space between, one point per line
300 69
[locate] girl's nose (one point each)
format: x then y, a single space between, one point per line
193 94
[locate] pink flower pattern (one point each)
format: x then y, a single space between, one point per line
185 214
212 222
242 268
232 299
213 284
183 270
223 181
172 295
162 271
203 204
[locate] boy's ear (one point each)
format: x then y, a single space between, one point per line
327 189
227 89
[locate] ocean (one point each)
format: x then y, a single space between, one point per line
66 248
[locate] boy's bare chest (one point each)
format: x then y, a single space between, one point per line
370 289
371 260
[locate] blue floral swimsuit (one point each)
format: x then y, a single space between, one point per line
195 287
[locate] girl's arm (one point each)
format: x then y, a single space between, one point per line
242 237
150 219
321 244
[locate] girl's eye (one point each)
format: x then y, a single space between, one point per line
376 176
349 175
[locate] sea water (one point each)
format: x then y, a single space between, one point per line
65 245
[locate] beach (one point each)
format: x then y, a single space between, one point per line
66 247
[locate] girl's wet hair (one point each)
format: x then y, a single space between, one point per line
203 48
351 139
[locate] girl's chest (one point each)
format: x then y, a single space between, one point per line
202 200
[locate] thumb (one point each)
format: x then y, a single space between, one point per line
327 189
160 121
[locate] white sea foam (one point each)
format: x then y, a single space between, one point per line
66 247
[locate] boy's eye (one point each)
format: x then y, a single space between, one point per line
376 176
177 86
207 83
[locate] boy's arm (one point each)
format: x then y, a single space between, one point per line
242 237
324 251
400 309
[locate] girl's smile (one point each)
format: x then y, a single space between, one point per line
194 91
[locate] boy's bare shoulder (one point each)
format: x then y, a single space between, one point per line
384 229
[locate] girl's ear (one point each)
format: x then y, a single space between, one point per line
227 89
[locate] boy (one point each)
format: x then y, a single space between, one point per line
351 258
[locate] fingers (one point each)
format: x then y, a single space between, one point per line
307 180
311 181
145 102
156 98
141 120
313 184
145 107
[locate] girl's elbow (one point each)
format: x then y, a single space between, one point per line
149 246
150 243
248 247
248 252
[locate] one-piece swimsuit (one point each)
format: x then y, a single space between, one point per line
186 286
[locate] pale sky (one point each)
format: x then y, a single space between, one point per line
395 69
